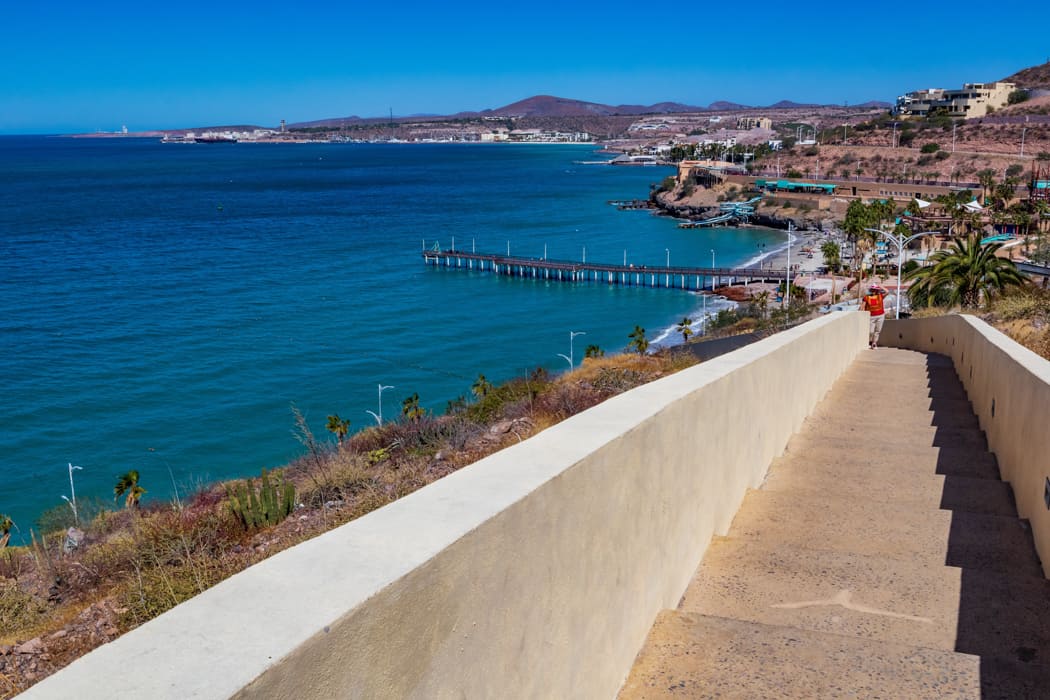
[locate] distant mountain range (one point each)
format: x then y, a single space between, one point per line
550 106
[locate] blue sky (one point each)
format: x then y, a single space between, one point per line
88 66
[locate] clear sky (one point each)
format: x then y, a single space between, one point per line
86 66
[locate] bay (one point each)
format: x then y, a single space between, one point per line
162 306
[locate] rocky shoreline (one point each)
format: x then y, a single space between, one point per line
802 221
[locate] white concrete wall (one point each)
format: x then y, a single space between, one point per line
997 371
534 573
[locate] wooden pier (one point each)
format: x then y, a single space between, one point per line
692 279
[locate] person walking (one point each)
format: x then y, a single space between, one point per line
873 304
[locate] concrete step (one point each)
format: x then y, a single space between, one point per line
887 429
876 528
949 459
902 483
906 602
688 655
838 456
699 656
885 410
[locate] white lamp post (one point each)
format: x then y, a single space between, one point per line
73 492
572 335
901 241
379 416
787 276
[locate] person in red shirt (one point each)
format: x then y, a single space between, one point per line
872 303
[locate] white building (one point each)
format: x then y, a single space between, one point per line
973 100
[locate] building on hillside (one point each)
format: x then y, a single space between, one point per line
754 123
972 100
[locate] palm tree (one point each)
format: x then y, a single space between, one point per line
761 302
338 427
481 387
593 351
987 179
5 530
638 340
831 252
128 486
963 274
411 409
685 328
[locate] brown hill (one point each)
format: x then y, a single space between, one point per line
1035 77
551 106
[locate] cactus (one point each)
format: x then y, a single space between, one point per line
272 504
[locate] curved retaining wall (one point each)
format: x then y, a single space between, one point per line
536 572
1009 388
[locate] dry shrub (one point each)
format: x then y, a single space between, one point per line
568 398
1029 303
19 610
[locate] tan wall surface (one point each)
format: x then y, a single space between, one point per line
997 372
536 572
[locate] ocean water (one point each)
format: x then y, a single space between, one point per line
162 306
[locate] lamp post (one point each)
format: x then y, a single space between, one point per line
901 241
572 335
714 279
73 492
379 416
787 276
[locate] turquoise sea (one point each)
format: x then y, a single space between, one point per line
163 305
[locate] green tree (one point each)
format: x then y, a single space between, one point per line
832 254
593 351
638 340
410 408
1017 96
338 427
965 274
128 486
685 328
987 179
5 530
760 302
481 387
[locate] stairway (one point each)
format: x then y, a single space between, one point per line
881 558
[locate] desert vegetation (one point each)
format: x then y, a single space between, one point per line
75 586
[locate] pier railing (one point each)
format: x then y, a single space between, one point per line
630 275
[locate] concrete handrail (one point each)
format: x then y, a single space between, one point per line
535 572
1009 388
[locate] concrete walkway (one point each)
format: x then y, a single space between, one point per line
882 558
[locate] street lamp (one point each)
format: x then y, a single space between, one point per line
72 491
572 334
713 278
787 276
379 416
901 241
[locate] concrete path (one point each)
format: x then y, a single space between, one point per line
881 558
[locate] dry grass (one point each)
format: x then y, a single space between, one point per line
135 565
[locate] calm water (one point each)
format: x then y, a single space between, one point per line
182 297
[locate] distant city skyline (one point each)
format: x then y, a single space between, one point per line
82 68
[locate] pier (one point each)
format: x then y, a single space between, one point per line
693 279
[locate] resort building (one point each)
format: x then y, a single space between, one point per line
754 123
973 100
